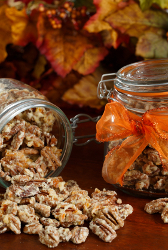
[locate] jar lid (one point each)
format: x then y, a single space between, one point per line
148 76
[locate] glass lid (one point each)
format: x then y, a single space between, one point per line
145 76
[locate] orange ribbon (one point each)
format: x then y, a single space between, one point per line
119 123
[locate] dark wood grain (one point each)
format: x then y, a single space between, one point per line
141 230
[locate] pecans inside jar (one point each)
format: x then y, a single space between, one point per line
35 135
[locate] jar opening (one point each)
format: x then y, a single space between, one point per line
48 124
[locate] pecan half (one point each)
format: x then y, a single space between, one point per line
103 230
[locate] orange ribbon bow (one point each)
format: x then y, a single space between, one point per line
119 123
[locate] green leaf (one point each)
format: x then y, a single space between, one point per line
133 22
146 4
152 45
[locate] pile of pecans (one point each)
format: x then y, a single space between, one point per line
56 210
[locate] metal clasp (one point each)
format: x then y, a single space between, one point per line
102 91
74 124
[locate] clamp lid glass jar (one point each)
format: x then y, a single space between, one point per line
135 120
35 135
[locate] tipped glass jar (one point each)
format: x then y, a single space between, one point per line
135 128
35 135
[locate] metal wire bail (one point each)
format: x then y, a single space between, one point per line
74 124
102 91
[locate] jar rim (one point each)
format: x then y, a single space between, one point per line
148 76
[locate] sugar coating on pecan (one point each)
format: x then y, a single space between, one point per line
13 223
49 222
111 216
102 229
156 206
64 234
8 207
33 228
49 236
43 209
79 234
56 210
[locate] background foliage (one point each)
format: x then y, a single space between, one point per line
63 47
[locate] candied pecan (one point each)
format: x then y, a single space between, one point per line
79 234
164 214
43 209
20 179
10 194
64 234
18 140
13 127
33 228
124 210
111 216
40 117
51 156
49 222
160 184
150 169
78 198
49 236
13 223
72 185
9 207
14 161
103 230
27 190
29 151
156 206
133 176
139 185
33 129
3 227
45 199
55 181
152 155
91 209
26 213
104 195
68 214
41 183
32 140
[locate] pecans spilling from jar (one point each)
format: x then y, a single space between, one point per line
147 172
57 210
158 206
27 145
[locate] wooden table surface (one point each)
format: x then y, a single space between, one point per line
141 230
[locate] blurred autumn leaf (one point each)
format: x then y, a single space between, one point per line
63 47
147 4
84 93
5 32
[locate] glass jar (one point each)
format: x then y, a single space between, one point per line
142 89
18 99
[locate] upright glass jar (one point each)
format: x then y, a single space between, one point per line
136 114
30 124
